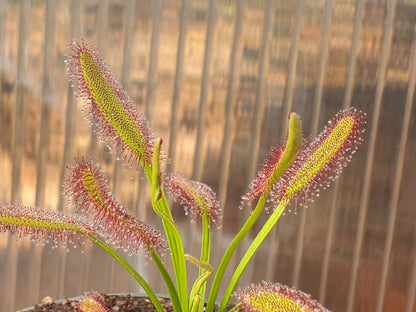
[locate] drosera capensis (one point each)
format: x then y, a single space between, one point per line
294 170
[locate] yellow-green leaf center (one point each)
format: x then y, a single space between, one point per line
111 108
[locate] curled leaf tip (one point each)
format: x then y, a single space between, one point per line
118 121
278 159
88 191
272 297
197 198
44 226
323 160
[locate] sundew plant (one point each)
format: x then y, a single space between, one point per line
294 170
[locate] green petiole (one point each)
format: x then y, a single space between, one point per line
250 252
146 287
161 208
292 148
230 251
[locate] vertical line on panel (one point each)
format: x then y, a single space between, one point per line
125 73
35 264
19 133
130 15
3 15
291 71
198 158
177 88
3 10
385 49
328 242
412 287
102 24
230 102
397 179
95 150
128 41
17 151
359 9
45 104
175 107
150 94
287 107
352 62
154 51
259 107
102 31
259 100
203 99
323 54
157 11
125 77
70 117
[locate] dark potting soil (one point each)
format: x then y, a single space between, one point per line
116 303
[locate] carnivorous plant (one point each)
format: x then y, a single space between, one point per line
293 170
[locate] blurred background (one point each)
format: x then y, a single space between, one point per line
217 79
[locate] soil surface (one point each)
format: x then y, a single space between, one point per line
116 303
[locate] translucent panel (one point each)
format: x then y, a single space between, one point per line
217 80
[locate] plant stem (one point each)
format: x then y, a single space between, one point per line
205 255
130 269
250 252
292 148
177 253
161 207
195 302
235 308
230 251
168 281
202 279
